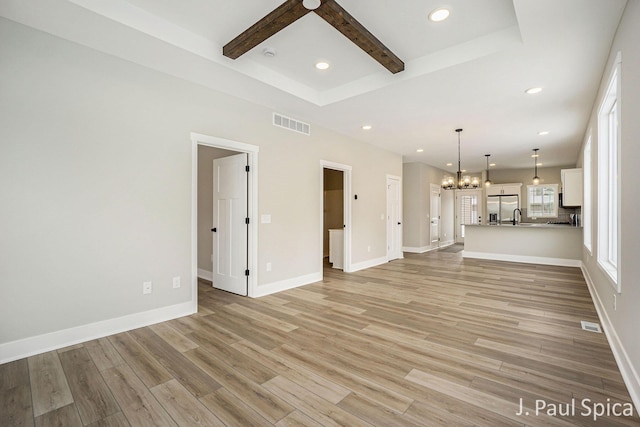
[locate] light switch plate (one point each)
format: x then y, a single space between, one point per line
147 287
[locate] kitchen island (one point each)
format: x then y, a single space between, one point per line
549 244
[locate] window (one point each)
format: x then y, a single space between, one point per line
608 185
468 211
542 201
586 201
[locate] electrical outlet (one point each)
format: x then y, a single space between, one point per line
147 287
176 282
368 248
268 266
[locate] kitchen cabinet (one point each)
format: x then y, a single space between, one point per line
504 189
571 187
336 248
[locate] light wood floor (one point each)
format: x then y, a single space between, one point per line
428 340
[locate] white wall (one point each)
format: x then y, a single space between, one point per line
622 321
95 183
416 199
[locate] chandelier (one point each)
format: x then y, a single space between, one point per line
462 182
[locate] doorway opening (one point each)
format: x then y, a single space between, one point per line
224 248
468 211
335 215
333 218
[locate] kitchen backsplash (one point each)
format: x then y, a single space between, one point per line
565 215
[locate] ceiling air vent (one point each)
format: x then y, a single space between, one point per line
288 123
590 326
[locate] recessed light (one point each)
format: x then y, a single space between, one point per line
367 127
322 65
439 15
543 132
492 164
538 164
449 164
534 155
463 170
533 90
419 150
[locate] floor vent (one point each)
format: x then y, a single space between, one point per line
291 124
591 327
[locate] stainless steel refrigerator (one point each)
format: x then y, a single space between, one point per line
500 208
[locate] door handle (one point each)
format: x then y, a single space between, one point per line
214 229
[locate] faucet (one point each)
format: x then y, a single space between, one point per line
514 215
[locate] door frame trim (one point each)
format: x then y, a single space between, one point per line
252 205
346 169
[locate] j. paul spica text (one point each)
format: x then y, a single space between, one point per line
582 408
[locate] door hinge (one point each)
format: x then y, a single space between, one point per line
247 168
246 220
246 272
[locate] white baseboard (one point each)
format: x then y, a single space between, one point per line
417 250
524 259
627 370
367 264
424 249
283 285
26 347
204 274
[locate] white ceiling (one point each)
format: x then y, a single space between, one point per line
469 71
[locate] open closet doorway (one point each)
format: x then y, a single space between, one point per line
224 200
335 219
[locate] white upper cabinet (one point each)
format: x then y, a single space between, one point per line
503 189
571 187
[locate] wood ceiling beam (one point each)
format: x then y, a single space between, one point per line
342 21
292 10
283 16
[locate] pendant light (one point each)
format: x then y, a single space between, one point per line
459 182
536 178
488 182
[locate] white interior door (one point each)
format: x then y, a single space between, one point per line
394 219
229 224
434 216
468 210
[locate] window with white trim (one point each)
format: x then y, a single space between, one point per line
542 201
608 184
586 200
468 211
